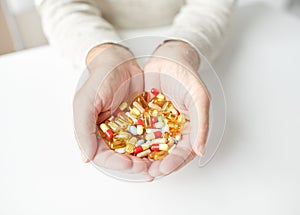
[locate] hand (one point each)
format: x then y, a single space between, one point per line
179 81
94 102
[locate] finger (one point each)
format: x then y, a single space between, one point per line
179 156
109 159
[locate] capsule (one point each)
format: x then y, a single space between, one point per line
121 123
171 117
132 129
120 150
131 117
140 127
122 107
123 135
144 153
107 131
157 155
142 101
147 120
151 130
158 102
159 147
154 106
181 119
125 118
145 96
130 145
141 148
157 94
117 144
170 142
154 135
169 107
135 112
113 126
158 141
175 126
138 106
159 125
140 142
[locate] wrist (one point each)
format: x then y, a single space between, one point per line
180 51
111 47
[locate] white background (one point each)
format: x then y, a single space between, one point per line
255 171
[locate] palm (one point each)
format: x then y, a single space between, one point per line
191 98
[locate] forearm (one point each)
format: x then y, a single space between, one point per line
75 27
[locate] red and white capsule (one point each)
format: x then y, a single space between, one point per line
157 94
154 135
141 148
107 131
159 147
140 127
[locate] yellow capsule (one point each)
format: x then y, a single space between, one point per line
166 135
147 120
142 101
121 123
117 144
169 107
130 145
146 96
171 116
123 106
138 106
135 112
154 113
113 126
122 135
154 106
173 125
125 118
158 155
170 142
181 119
158 102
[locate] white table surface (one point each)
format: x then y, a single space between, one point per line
255 171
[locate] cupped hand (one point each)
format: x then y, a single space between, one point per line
172 70
112 71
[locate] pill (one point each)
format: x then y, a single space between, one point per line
165 128
158 141
140 142
117 144
123 135
144 153
157 94
145 96
154 106
140 127
107 131
159 125
131 117
170 142
132 129
158 102
153 119
121 123
151 130
113 126
138 106
135 112
178 136
159 147
130 145
141 148
142 101
153 135
157 155
181 119
120 150
125 118
122 107
147 120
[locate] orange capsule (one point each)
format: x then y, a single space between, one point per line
117 144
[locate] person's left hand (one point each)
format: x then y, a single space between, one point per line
173 72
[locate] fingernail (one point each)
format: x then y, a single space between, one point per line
201 149
83 158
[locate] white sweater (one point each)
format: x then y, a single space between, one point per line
76 26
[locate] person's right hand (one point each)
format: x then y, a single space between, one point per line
111 68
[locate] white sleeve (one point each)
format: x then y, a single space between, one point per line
202 23
74 26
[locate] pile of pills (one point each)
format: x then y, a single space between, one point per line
146 127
